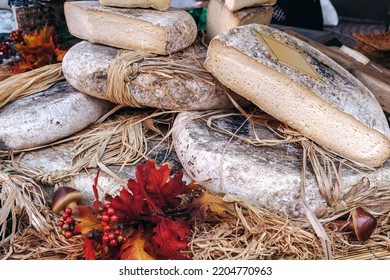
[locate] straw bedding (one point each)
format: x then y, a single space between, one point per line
27 225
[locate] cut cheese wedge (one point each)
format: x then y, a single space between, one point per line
136 29
220 18
303 88
161 5
235 5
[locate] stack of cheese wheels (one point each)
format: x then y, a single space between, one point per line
223 15
304 89
146 57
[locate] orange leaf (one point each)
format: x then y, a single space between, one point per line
87 221
206 201
59 54
134 248
38 49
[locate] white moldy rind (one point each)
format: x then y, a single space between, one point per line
267 176
338 111
221 19
161 5
85 66
235 5
135 29
57 160
48 116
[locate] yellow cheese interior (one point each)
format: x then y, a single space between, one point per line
297 106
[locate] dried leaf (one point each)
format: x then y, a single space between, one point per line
37 50
169 238
131 204
150 194
160 189
199 207
134 248
87 221
89 251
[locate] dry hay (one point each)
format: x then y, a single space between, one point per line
28 83
27 225
244 232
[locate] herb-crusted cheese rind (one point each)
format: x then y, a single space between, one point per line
326 104
220 18
161 5
235 5
85 66
135 29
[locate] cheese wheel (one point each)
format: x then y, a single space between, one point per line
85 66
161 5
303 88
48 116
220 18
136 29
53 166
235 5
268 175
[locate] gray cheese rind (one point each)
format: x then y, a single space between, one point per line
56 160
48 116
85 66
267 176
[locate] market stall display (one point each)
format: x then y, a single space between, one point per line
254 145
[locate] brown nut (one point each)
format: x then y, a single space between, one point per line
363 223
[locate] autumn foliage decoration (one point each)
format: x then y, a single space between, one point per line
145 221
37 50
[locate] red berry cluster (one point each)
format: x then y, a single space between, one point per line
5 49
112 233
67 224
16 36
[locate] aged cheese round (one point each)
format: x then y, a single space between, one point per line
53 166
135 29
267 176
48 116
303 88
85 66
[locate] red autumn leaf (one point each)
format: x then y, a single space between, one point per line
169 238
151 193
134 248
89 251
131 205
161 190
87 221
